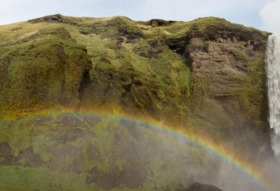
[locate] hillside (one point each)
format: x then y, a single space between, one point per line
207 75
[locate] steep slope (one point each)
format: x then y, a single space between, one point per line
207 68
135 65
206 75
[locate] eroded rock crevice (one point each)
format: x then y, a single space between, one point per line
84 84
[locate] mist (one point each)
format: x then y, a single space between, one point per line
112 152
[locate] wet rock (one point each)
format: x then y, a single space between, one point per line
203 187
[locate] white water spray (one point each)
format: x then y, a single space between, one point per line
273 78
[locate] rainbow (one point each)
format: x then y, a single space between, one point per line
246 167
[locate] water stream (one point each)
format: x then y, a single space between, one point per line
273 78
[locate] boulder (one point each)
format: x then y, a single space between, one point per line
203 187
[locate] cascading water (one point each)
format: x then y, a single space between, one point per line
273 78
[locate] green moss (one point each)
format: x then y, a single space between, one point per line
252 92
16 134
41 144
143 48
199 87
113 146
27 72
239 55
23 179
103 64
113 28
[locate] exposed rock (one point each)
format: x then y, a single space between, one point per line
225 67
58 18
215 62
203 187
159 22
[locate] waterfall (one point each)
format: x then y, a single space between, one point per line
273 78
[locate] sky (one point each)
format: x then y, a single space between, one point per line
260 14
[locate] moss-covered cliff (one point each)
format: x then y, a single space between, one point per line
207 75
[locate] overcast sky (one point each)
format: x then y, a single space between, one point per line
261 14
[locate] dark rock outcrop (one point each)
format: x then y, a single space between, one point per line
57 18
203 187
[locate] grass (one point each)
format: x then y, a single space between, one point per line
27 72
135 56
18 137
252 91
239 55
30 179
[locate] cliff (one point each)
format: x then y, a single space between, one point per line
207 75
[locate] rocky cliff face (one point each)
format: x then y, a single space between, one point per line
207 75
154 66
228 76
